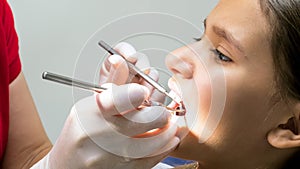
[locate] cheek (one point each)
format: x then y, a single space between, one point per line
203 90
246 105
204 97
246 118
249 97
204 93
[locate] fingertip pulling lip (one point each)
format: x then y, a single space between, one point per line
174 90
173 86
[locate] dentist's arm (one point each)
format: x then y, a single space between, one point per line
27 140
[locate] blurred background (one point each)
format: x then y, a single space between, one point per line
55 35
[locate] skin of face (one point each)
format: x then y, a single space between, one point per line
251 109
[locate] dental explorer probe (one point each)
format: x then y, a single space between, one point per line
180 111
72 82
136 71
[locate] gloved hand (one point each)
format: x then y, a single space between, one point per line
115 69
107 130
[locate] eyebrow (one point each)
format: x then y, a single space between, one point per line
227 36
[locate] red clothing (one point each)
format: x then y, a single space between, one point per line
10 67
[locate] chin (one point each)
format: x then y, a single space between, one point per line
189 148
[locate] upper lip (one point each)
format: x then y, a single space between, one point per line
174 87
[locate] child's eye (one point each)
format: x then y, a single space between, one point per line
221 56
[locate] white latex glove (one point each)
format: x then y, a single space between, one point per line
115 69
108 131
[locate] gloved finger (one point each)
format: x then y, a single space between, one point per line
153 73
157 96
145 146
127 50
119 70
96 159
109 63
123 48
161 140
105 70
137 147
119 99
140 121
143 64
129 53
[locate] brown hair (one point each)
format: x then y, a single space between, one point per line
284 19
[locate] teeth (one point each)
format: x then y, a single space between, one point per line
177 104
181 109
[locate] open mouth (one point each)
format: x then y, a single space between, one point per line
177 104
176 107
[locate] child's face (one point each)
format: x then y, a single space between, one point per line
245 73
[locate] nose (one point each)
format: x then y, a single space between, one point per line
180 62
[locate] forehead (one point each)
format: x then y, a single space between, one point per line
244 19
241 10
